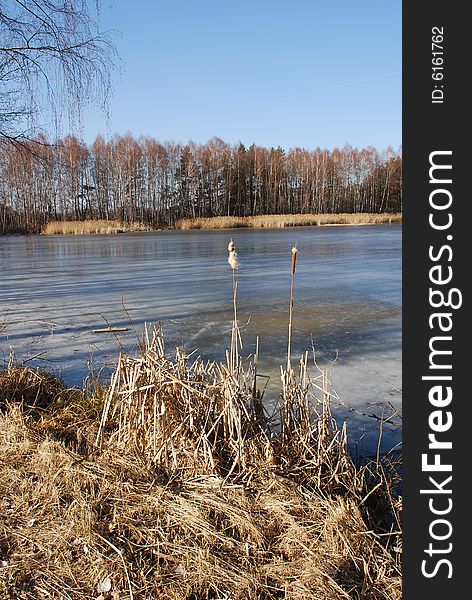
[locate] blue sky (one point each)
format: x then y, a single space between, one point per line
302 73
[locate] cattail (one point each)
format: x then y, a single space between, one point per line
233 261
294 259
235 335
232 257
290 318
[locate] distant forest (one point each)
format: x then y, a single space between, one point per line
143 180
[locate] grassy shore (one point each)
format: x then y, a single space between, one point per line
90 227
261 221
174 483
275 221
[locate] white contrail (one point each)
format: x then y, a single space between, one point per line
341 85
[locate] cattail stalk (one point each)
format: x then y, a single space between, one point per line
235 337
290 314
234 331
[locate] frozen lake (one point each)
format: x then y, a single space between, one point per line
55 290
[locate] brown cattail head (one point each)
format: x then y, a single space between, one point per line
294 259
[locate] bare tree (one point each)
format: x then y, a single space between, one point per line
53 59
142 180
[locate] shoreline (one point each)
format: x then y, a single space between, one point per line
91 227
218 485
285 221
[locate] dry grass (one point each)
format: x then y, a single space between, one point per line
174 483
33 389
91 227
276 221
260 221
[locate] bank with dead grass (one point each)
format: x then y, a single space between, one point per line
277 221
90 227
174 482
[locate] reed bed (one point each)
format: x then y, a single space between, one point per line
184 416
174 482
276 221
91 227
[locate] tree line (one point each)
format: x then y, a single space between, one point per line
143 180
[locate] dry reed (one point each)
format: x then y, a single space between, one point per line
70 523
276 221
32 389
260 221
91 227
